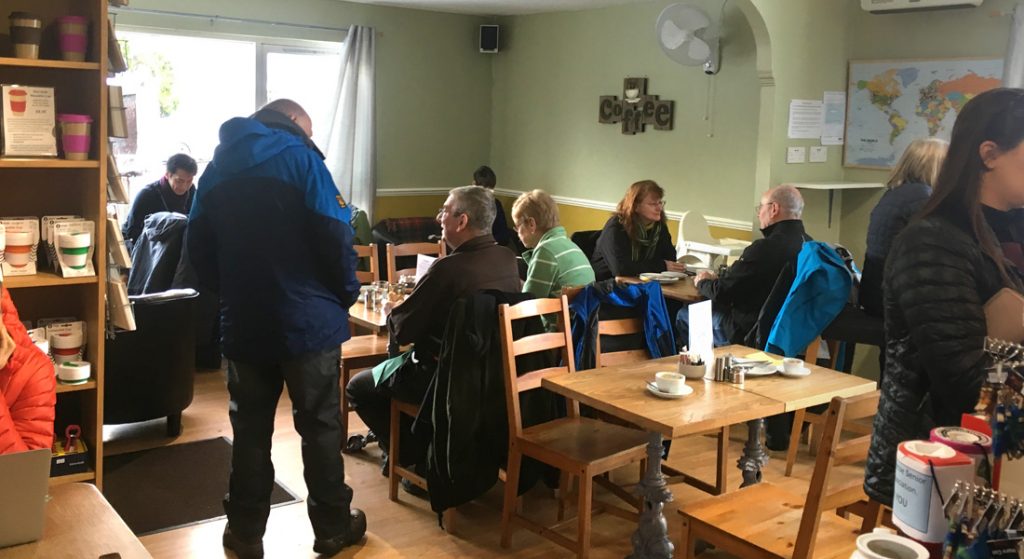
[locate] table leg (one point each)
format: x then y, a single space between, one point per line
754 456
650 541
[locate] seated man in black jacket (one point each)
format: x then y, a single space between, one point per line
475 263
738 294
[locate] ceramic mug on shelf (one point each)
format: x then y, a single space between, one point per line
74 249
26 34
18 252
66 346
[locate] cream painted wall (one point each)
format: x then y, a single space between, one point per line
545 134
433 86
977 34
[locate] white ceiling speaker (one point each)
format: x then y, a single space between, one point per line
688 37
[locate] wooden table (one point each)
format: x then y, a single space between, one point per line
682 290
620 391
80 524
374 320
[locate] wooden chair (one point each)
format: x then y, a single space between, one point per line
764 521
396 471
368 251
580 447
409 249
634 326
364 351
813 420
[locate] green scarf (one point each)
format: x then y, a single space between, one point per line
645 241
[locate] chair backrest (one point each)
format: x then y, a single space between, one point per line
410 249
368 251
834 452
630 326
587 241
520 381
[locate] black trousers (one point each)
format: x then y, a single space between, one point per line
312 381
373 405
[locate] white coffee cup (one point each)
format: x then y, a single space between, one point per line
670 383
793 366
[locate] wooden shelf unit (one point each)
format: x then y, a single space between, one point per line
38 187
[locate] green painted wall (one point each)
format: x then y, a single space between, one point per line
545 134
433 86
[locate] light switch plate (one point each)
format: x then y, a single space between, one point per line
796 155
819 154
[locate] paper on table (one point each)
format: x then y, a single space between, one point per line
702 337
423 263
762 356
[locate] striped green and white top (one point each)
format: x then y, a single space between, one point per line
555 262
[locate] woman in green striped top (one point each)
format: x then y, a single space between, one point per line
553 260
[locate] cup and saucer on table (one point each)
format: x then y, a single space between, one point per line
669 385
794 368
791 367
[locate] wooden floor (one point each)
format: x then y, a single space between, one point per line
409 528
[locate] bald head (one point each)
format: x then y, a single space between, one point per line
294 111
779 204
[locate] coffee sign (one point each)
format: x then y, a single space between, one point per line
636 109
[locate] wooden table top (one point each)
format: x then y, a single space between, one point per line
375 320
819 387
682 290
80 523
621 391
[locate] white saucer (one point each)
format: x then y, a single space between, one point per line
660 278
687 390
677 275
802 373
762 370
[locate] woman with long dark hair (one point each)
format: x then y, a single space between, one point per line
636 238
941 270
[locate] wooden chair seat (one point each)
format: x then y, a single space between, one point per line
766 518
583 441
359 352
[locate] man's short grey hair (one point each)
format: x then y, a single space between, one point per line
477 203
789 200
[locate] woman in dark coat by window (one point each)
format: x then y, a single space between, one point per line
908 188
940 272
636 239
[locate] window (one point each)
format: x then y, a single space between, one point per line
179 90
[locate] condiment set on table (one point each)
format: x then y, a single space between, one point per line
726 369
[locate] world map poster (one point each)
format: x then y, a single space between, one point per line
890 103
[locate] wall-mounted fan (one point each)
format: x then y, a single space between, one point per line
688 36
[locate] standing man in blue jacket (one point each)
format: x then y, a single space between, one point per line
269 233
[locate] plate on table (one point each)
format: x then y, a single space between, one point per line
677 275
803 372
653 389
660 278
762 370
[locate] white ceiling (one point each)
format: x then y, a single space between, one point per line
499 7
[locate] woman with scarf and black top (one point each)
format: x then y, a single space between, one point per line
964 248
636 239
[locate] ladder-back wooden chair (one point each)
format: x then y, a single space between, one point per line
437 249
764 521
577 446
362 351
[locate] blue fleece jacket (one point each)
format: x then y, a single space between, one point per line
269 232
819 292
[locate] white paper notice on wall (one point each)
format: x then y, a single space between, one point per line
833 126
796 155
819 154
805 118
702 337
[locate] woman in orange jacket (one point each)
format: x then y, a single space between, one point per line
27 386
